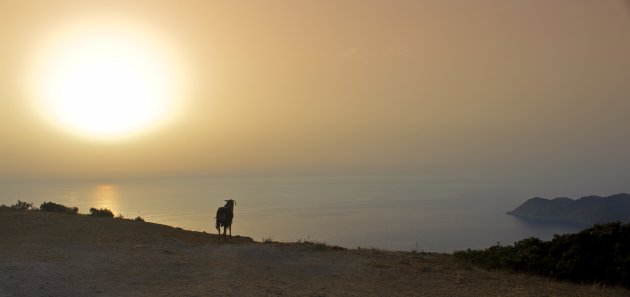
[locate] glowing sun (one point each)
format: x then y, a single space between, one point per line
106 79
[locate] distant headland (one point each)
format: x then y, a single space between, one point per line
587 210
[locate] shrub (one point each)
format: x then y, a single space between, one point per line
139 219
21 205
54 207
318 245
598 254
101 212
267 239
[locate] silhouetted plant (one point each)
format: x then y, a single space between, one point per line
139 219
21 205
101 212
268 239
54 207
598 254
318 245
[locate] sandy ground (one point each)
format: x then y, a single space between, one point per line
48 254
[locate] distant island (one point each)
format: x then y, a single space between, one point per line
584 211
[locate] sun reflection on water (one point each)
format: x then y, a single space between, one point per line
106 196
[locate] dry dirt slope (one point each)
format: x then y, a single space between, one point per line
47 254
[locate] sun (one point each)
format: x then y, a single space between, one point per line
106 80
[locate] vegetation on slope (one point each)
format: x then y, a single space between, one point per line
54 207
598 254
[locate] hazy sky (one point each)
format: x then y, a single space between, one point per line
435 88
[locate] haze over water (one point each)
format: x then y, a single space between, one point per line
396 124
393 212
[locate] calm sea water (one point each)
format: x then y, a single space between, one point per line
393 212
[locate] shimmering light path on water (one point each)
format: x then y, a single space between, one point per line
399 212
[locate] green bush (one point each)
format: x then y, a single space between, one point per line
101 212
54 207
21 205
598 254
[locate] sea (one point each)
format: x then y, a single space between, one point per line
399 212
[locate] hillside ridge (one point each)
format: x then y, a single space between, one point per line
587 210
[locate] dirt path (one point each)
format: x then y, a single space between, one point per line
47 254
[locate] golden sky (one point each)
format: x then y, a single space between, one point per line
435 88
